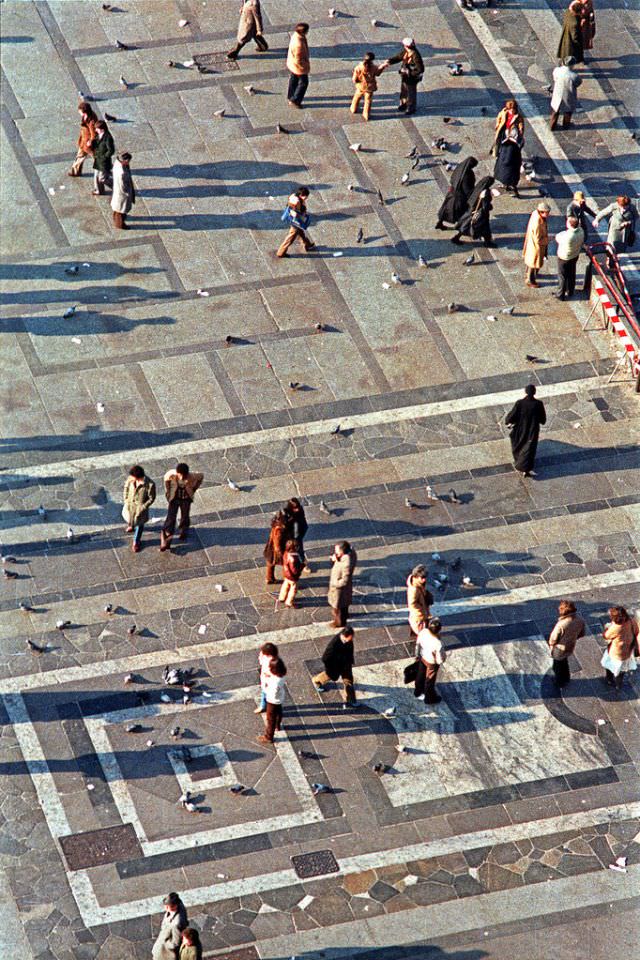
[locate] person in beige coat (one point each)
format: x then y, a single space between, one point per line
340 593
139 494
298 65
180 487
174 921
249 28
536 243
563 638
123 194
621 634
419 600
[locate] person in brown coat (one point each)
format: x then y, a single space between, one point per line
364 76
249 28
571 41
563 638
509 119
87 135
588 24
536 243
340 593
419 600
180 487
298 65
292 565
621 635
274 548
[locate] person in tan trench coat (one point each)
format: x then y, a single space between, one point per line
536 243
249 28
340 593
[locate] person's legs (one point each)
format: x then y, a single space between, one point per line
366 110
321 680
412 97
291 89
76 166
291 595
137 537
98 182
553 121
274 713
118 220
571 276
561 672
233 54
271 569
287 592
418 686
610 678
261 43
343 616
561 290
566 120
306 242
349 688
169 525
301 89
404 95
185 518
288 240
430 695
356 100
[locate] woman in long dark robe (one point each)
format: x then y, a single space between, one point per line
525 420
509 163
475 222
463 180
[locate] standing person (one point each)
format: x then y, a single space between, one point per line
622 218
340 593
419 600
509 120
562 640
274 693
525 419
411 73
570 243
295 214
476 222
292 565
536 243
621 635
180 487
578 208
338 660
274 547
86 137
509 163
588 24
564 97
297 525
139 494
124 193
103 149
267 655
456 202
298 65
571 42
249 28
190 948
173 923
431 655
364 76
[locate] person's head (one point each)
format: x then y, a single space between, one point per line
419 572
434 625
292 546
342 547
369 57
579 197
302 29
575 6
566 608
172 902
191 937
279 519
572 222
86 110
408 43
269 650
182 469
101 127
137 472
511 105
278 668
544 210
569 61
294 505
124 158
347 634
618 615
623 201
530 390
302 192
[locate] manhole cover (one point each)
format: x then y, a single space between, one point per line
95 847
216 62
315 864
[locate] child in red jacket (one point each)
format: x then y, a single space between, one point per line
292 564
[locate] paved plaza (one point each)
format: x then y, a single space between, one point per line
489 833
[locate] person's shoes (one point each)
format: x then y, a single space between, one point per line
402 107
457 241
182 536
163 547
440 225
420 696
263 739
296 106
435 699
97 193
290 605
282 256
271 581
232 55
319 688
259 710
531 283
72 173
311 247
490 243
135 547
129 529
515 193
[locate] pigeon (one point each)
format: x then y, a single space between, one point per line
188 64
355 147
186 698
400 747
421 261
172 63
375 23
84 96
69 312
386 286
172 676
202 293
250 89
491 318
456 563
351 187
452 307
71 270
431 494
404 178
190 807
123 46
508 311
62 624
335 430
280 128
165 698
107 6
620 865
233 486
414 152
323 508
134 728
307 755
35 647
132 629
237 788
317 788
447 119
531 359
379 768
100 407
455 69
319 327
128 678
436 557
395 278
449 166
483 111
333 13
467 582
9 574
110 118
360 235
219 113
453 496
24 607
442 578
470 260
183 23
6 560
294 385
390 712
185 797
415 164
380 197
123 82
228 340
410 504
70 534
175 732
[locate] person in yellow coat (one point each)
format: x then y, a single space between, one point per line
536 243
364 77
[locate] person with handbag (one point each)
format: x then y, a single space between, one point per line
411 73
621 634
476 221
295 214
430 655
562 641
508 121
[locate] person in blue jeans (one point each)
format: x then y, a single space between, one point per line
139 494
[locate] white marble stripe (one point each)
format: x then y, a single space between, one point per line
177 451
313 631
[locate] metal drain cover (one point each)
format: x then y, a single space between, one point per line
316 864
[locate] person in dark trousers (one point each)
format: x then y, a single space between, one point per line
456 202
570 243
274 693
298 65
338 660
180 486
123 194
295 214
274 547
476 221
103 149
525 419
564 97
578 208
297 525
430 654
249 28
340 594
139 494
411 73
563 638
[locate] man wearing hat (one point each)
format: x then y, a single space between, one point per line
564 98
174 921
411 73
124 195
578 208
536 243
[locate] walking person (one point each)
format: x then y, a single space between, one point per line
571 42
295 214
249 28
274 694
338 659
411 73
456 202
508 165
274 547
174 921
536 243
124 194
297 526
621 635
578 208
340 593
509 121
476 221
86 137
588 24
365 78
292 565
430 654
570 243
267 655
562 641
564 97
103 149
190 947
139 494
525 419
419 600
298 65
180 487
622 218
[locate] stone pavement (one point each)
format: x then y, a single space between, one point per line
490 832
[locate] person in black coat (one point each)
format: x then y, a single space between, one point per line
103 149
525 419
476 221
297 525
338 663
578 208
509 163
456 202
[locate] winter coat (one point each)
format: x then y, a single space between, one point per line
508 163
250 25
565 635
338 658
622 639
341 580
571 44
536 241
298 56
580 211
364 77
87 134
190 952
570 243
506 123
419 600
191 484
292 565
124 195
297 525
167 942
588 24
274 547
412 67
622 225
564 98
103 150
138 499
463 180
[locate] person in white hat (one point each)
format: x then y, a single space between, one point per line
411 73
536 243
